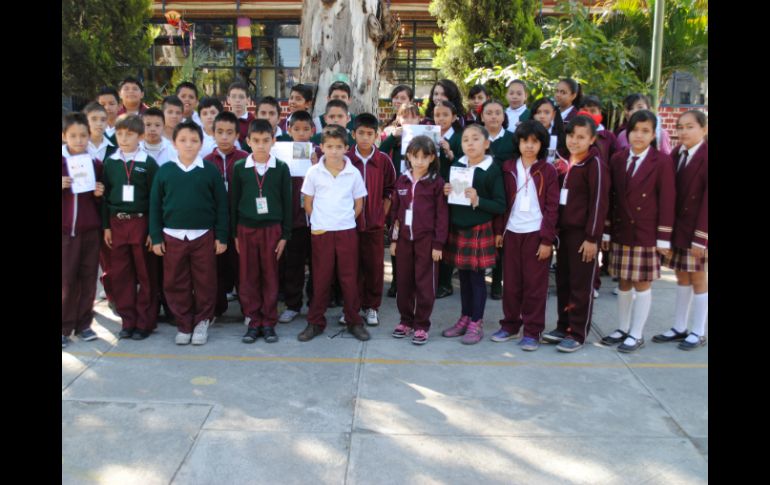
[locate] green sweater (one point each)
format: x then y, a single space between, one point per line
284 137
276 188
392 146
188 200
502 148
114 178
489 185
455 144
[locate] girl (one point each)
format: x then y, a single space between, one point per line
641 219
544 110
477 96
401 95
583 204
689 254
529 224
471 245
419 232
634 103
517 108
569 96
445 90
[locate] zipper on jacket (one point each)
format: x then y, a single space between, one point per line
74 215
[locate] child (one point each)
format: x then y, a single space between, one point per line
158 147
224 157
689 254
187 92
108 98
632 104
526 233
569 96
517 104
188 205
336 114
583 202
172 115
128 176
606 141
208 109
418 235
79 236
99 146
340 91
401 95
379 178
300 99
261 228
544 110
445 90
471 244
477 96
269 109
131 94
639 226
238 99
334 196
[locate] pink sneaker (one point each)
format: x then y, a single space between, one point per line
458 328
420 337
474 333
402 330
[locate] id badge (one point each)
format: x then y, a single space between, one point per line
563 197
408 217
261 205
524 207
128 193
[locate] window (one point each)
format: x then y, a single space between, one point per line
412 61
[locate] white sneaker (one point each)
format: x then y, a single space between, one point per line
183 338
596 294
287 316
232 296
342 320
616 290
246 321
201 333
371 317
102 295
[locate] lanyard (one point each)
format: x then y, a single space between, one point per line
130 170
527 178
261 183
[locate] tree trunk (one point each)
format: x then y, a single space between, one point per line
350 37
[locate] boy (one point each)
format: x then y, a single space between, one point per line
336 114
172 115
269 109
79 236
224 157
300 99
238 99
208 109
128 176
158 147
337 91
99 146
187 92
131 94
108 98
188 205
334 192
379 177
261 229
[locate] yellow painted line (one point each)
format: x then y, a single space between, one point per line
351 360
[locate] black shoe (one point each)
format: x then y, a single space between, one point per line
678 337
141 334
685 345
496 293
443 292
359 332
614 340
126 333
392 291
269 334
311 331
627 349
554 336
252 334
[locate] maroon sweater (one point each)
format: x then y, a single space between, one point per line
230 160
547 182
430 213
607 143
379 178
692 199
588 188
81 212
642 212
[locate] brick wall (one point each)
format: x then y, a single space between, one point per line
668 114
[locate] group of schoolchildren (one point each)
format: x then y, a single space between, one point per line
190 202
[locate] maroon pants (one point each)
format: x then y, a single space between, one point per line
190 279
258 290
335 250
526 284
297 253
104 262
417 275
79 271
130 265
371 267
227 276
574 285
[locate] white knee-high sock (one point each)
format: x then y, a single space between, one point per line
625 302
640 312
700 310
682 307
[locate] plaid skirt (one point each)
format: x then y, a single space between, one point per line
683 260
634 263
472 248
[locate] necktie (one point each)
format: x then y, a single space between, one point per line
630 171
683 161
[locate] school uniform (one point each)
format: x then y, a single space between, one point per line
80 241
162 152
334 237
568 114
691 224
420 207
188 209
261 217
472 117
641 215
320 123
196 118
125 213
661 136
142 108
454 138
243 129
583 204
208 146
516 116
105 149
391 146
526 225
501 146
379 178
607 143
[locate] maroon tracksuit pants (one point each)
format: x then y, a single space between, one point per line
130 265
227 276
297 253
371 267
335 250
79 271
526 284
574 285
417 275
190 279
258 289
104 262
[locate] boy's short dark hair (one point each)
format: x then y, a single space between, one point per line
208 102
129 122
366 120
336 103
334 132
476 89
271 101
227 117
108 91
299 116
74 118
582 120
305 90
339 86
531 128
591 101
132 80
188 125
238 85
93 106
173 100
154 112
186 84
260 126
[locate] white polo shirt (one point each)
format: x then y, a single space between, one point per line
514 115
333 197
98 152
208 146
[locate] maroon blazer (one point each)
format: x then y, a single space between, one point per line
692 199
379 178
80 212
607 143
588 193
430 214
547 182
642 212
